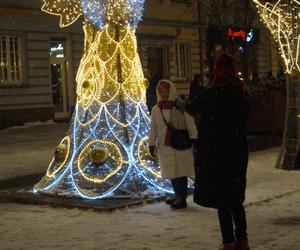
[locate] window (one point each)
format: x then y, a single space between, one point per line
181 61
10 60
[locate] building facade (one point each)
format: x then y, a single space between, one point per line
39 60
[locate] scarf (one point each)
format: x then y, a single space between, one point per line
165 104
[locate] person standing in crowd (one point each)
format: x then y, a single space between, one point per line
255 80
270 80
150 92
196 86
222 151
175 164
281 78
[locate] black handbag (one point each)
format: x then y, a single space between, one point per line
180 137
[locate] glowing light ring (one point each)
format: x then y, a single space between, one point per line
68 10
85 152
50 174
103 195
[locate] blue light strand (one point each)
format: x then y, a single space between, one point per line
139 127
95 10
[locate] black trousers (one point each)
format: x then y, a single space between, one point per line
233 223
180 186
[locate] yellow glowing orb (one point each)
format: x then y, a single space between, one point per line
87 84
146 83
98 156
60 152
152 157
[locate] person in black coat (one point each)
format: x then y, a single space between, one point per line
196 86
222 152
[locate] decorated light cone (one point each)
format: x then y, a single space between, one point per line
105 152
282 19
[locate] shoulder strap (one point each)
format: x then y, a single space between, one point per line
164 118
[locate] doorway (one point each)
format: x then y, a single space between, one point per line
157 68
59 80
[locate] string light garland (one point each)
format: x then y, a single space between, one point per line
107 143
55 165
282 18
68 10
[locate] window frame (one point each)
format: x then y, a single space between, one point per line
21 52
180 78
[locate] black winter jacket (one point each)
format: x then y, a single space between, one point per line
222 151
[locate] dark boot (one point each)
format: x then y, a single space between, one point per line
179 203
242 245
169 200
229 246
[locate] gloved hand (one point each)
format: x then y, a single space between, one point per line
180 104
151 150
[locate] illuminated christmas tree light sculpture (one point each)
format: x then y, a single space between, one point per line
282 19
106 152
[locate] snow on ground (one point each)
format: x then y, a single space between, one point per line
264 181
273 224
28 149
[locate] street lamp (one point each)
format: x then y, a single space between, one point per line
282 19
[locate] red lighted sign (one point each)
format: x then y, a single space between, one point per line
231 34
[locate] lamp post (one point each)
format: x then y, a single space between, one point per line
281 17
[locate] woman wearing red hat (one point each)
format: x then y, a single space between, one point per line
175 164
222 155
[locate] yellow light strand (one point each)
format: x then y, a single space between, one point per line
282 19
82 158
68 10
65 140
98 65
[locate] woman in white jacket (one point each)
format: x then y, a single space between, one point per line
175 164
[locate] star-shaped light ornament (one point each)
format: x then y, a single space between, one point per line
68 10
283 20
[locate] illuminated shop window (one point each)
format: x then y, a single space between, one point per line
57 49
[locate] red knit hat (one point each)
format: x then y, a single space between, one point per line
164 85
225 66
